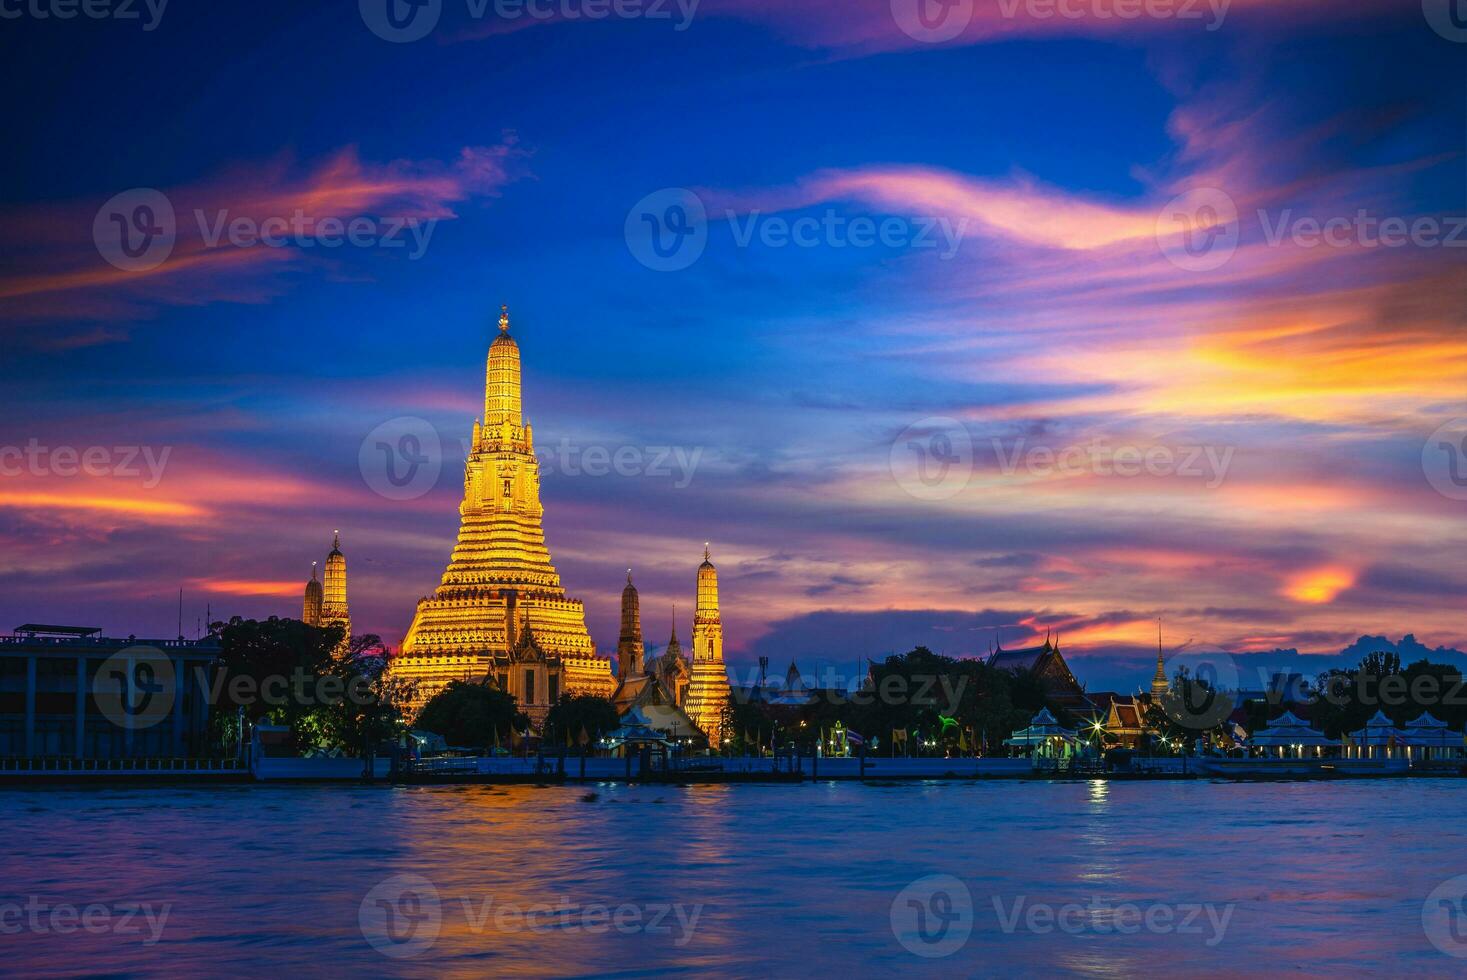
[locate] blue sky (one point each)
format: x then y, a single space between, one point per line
1065 317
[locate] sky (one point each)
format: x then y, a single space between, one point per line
943 324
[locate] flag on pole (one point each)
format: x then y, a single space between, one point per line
855 738
585 738
569 741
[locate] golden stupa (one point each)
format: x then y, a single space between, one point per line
708 690
500 611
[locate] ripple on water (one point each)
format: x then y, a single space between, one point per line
274 879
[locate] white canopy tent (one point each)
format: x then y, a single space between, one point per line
1289 735
1044 738
1379 739
1428 739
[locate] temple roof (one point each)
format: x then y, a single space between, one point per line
1026 658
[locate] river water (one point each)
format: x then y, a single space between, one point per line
840 880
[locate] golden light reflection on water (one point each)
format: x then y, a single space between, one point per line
771 880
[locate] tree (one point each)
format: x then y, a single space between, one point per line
471 715
571 713
285 672
266 672
1190 709
747 725
375 703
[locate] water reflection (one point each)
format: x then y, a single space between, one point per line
742 880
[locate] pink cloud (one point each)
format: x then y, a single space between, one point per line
68 277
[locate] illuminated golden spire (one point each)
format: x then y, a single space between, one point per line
311 606
708 689
1159 683
502 383
706 610
500 582
333 592
629 649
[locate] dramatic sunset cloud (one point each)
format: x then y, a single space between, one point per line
234 233
1141 382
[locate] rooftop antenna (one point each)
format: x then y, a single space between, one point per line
180 613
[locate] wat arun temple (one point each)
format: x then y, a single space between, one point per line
500 614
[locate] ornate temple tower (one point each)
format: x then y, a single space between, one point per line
629 649
311 607
1159 683
333 593
464 629
672 668
708 688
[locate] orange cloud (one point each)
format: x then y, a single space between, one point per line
247 587
1320 585
130 506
